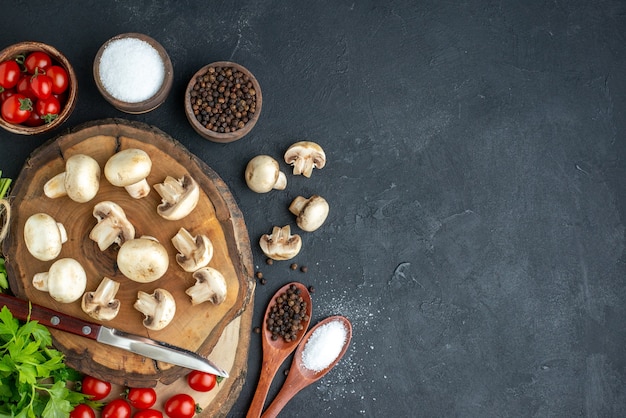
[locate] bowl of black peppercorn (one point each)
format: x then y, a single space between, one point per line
223 101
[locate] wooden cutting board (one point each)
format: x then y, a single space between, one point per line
198 328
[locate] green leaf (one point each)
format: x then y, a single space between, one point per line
58 406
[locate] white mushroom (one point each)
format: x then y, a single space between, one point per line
179 197
210 286
129 169
143 259
304 156
193 252
158 308
101 304
65 281
311 213
80 181
44 236
112 226
263 174
281 245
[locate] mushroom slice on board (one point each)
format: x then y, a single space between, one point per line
210 286
310 213
129 169
304 156
158 308
112 227
44 236
179 197
263 175
280 244
101 304
193 252
65 281
80 181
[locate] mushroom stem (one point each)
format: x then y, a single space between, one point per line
158 308
101 304
138 190
193 252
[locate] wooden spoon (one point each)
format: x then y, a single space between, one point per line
276 351
299 376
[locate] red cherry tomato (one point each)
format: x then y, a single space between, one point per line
34 120
148 413
37 59
142 398
16 109
9 74
98 389
117 408
60 79
49 108
201 381
41 85
180 406
23 87
6 93
82 411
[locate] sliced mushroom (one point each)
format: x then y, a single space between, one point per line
44 236
129 169
179 197
193 252
281 245
65 281
101 304
311 213
210 286
263 174
143 260
112 227
304 156
158 308
80 181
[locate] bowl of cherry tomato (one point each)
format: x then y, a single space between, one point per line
38 88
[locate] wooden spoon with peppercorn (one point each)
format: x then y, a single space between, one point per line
286 320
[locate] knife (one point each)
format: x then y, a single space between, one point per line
147 347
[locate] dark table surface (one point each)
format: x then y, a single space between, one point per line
476 176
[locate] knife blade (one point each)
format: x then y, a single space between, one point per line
147 347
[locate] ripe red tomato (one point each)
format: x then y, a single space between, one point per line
6 93
82 411
201 381
41 85
34 120
117 408
97 388
148 413
142 398
60 79
23 87
48 107
37 59
180 406
16 109
9 74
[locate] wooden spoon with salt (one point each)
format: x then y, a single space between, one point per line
300 376
276 351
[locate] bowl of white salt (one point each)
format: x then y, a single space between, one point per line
133 72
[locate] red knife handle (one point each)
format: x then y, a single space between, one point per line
21 308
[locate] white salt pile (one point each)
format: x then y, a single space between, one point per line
324 346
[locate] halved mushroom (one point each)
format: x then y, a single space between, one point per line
210 286
101 304
143 260
65 281
193 252
158 308
179 197
281 245
304 156
311 213
129 169
80 181
263 174
112 226
44 236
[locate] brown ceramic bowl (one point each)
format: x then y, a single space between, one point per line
150 103
213 135
23 48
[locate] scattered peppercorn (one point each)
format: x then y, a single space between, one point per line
311 289
293 266
287 314
263 281
269 261
259 275
304 269
257 330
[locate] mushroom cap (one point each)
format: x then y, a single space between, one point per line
193 252
281 245
158 308
263 174
304 156
143 260
112 226
128 167
65 281
179 197
210 286
101 303
44 236
82 178
311 213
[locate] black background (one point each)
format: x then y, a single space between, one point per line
476 178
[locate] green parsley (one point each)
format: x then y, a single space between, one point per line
33 375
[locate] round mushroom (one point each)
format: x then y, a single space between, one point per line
129 169
310 213
304 156
65 281
193 252
44 236
143 259
263 174
158 308
112 227
210 286
80 181
280 244
101 304
179 197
